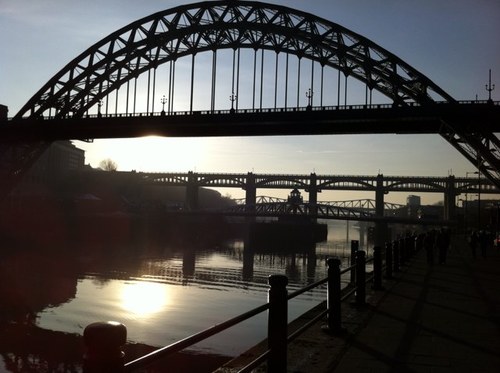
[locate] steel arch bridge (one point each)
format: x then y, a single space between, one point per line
95 80
214 25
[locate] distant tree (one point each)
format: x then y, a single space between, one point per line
108 165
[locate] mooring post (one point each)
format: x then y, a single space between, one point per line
395 259
103 342
277 324
360 278
334 317
354 250
388 259
377 268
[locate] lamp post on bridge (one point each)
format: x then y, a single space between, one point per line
99 105
490 88
309 95
163 102
232 98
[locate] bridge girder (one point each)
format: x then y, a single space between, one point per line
367 183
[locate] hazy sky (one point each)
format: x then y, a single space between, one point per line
453 42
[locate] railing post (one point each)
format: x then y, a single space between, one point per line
103 342
333 304
377 268
354 250
360 278
277 324
395 259
388 259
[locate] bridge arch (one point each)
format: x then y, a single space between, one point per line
166 36
354 183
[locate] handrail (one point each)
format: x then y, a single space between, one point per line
277 304
307 288
266 110
195 338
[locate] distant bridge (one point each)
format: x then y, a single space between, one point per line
366 205
450 187
273 70
270 207
360 210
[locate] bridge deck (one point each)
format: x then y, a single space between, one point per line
430 318
351 119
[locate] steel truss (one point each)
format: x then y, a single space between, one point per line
320 210
213 25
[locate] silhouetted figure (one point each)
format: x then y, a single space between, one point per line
429 242
442 243
473 241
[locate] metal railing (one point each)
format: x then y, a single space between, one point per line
104 340
266 110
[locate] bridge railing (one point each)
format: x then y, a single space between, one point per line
104 340
273 110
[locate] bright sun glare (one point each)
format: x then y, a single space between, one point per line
149 154
144 298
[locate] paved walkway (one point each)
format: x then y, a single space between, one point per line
440 318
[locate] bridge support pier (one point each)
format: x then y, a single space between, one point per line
313 197
381 230
250 195
192 201
449 199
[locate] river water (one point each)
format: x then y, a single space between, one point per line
162 291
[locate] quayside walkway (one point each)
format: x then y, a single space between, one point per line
439 318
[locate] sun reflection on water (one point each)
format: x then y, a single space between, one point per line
143 298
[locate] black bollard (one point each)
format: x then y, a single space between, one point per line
277 324
333 305
388 259
360 278
103 342
377 268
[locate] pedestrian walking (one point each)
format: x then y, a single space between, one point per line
442 243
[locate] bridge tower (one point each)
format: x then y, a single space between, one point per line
192 192
380 226
449 199
313 196
251 193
